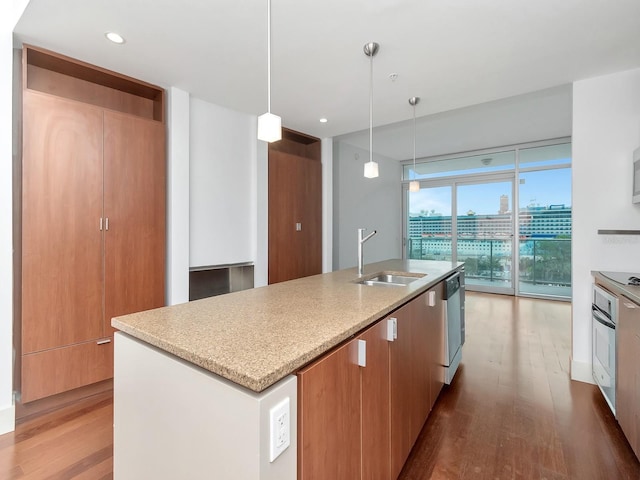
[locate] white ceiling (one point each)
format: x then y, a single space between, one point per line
451 53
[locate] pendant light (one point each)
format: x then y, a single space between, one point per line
269 125
414 185
371 167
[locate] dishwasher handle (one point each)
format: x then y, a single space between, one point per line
452 285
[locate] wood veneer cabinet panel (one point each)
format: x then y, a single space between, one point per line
88 92
63 76
62 369
329 420
61 209
628 375
376 420
134 203
402 388
435 341
295 196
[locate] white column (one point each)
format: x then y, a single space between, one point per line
177 197
10 12
327 205
261 268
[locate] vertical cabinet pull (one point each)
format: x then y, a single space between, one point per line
392 329
362 353
104 222
431 298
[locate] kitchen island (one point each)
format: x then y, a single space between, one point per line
195 383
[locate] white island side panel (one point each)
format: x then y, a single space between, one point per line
173 419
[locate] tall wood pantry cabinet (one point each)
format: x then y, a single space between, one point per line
92 217
295 207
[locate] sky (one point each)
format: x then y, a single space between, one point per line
541 188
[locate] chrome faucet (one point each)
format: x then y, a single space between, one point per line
361 241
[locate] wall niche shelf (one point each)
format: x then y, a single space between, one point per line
618 232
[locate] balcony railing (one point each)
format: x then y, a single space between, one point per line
544 263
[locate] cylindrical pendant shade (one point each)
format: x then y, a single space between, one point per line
414 186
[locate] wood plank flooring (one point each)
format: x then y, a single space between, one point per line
511 413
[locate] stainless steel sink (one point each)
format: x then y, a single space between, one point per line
391 279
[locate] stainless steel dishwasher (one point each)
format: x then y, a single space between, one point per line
454 324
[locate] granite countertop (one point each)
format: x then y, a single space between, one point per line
256 337
630 291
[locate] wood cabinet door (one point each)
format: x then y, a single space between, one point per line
329 421
134 203
376 421
435 341
628 371
421 353
295 197
402 387
61 210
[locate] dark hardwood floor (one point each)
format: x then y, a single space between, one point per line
511 413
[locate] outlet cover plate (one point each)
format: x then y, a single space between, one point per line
280 429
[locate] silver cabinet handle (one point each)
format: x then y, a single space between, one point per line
104 341
106 223
392 329
362 353
100 223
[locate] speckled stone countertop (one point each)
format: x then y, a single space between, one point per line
629 291
257 337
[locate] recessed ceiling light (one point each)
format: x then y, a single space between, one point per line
115 38
323 120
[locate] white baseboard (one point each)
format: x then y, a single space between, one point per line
7 419
581 372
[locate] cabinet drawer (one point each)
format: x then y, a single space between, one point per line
61 369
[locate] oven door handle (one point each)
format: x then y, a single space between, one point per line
601 319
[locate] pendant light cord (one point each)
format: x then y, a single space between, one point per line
414 140
371 108
269 56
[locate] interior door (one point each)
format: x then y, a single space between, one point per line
61 210
134 204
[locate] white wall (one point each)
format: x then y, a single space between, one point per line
327 204
606 130
377 203
10 12
541 115
177 197
371 203
222 185
261 202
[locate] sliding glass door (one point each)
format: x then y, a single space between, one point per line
484 234
479 234
429 226
506 214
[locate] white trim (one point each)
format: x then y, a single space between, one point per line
327 204
8 420
581 372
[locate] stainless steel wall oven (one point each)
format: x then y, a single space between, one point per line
604 317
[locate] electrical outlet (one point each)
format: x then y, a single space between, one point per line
279 426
